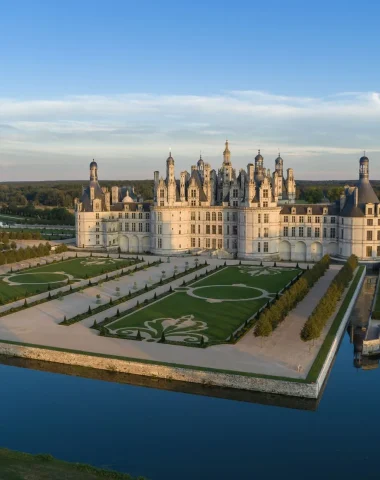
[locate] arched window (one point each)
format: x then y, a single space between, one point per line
220 216
207 216
213 216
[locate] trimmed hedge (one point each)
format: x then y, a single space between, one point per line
272 316
316 322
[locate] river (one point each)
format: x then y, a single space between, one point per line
171 435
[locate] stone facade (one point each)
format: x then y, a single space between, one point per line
251 214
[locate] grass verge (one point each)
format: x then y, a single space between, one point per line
24 466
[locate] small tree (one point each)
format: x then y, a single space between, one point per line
170 289
111 301
49 296
95 324
118 313
155 296
137 304
49 287
275 264
25 303
146 287
64 319
162 339
89 311
138 336
202 342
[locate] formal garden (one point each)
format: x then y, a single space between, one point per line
30 281
208 310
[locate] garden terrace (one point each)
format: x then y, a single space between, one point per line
31 281
208 310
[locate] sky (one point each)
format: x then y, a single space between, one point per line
125 81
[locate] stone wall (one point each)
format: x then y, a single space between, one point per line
242 382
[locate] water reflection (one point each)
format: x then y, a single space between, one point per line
161 384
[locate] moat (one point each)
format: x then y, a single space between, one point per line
167 434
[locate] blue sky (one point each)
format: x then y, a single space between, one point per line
122 81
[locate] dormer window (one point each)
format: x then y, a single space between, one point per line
293 210
309 211
325 211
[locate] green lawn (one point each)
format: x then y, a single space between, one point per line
213 307
23 466
36 280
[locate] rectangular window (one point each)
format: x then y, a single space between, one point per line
214 243
341 233
214 229
120 215
126 215
162 193
162 203
317 220
199 229
309 232
286 231
97 215
332 219
317 232
325 232
309 219
293 219
378 235
159 243
133 215
140 227
235 203
192 229
370 222
324 219
140 216
234 217
300 231
259 247
207 229
266 217
160 229
199 243
220 229
127 227
235 193
147 216
332 233
369 251
266 247
147 227
259 218
301 220
228 229
265 204
193 242
286 219
192 215
220 243
266 232
265 193
193 193
369 235
370 211
228 216
227 243
234 230
208 243
378 251
133 227
293 231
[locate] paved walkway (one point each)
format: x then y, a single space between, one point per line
280 356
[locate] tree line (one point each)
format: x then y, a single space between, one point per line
45 216
316 322
29 252
276 312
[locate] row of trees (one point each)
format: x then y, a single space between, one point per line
46 216
315 324
6 237
274 314
26 253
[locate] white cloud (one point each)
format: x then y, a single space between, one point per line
140 127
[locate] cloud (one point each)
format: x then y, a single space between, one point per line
140 128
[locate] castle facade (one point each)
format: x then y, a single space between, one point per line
251 214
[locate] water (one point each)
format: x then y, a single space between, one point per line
169 435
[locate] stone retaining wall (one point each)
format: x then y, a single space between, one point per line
242 382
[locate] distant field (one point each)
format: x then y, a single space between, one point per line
37 280
213 307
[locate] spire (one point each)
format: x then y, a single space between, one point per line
226 154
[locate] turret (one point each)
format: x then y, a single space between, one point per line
156 180
115 194
364 168
93 171
291 185
259 167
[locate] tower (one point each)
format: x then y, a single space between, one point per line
170 179
364 167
